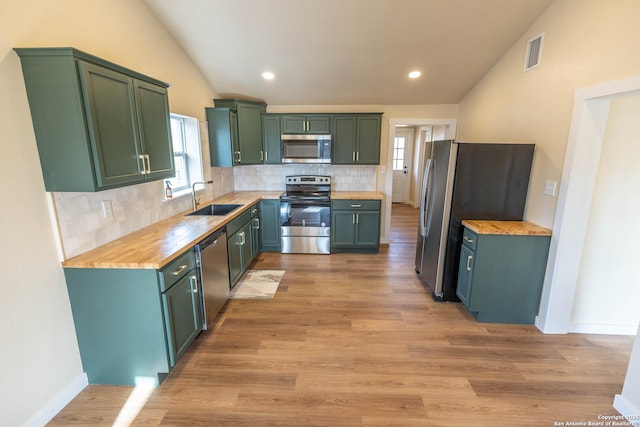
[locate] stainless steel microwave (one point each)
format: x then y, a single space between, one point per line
306 148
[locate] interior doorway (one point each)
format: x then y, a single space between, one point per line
403 144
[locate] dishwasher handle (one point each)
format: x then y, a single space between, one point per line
211 240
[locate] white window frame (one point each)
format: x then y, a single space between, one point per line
191 153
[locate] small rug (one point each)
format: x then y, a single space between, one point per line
257 284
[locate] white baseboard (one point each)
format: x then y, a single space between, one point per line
626 408
58 402
593 328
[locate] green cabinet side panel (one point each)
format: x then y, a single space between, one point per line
57 112
119 324
270 240
465 274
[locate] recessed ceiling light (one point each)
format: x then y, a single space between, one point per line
414 74
268 75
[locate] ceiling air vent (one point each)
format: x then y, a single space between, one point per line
534 48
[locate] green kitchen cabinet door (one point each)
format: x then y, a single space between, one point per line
368 141
182 312
465 275
344 140
272 139
270 239
306 124
343 230
224 149
110 109
234 249
367 229
250 133
155 130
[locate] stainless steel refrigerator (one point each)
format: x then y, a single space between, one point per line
465 181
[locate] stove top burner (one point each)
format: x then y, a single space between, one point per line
307 187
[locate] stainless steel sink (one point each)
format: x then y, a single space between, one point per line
215 209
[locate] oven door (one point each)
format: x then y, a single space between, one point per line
305 226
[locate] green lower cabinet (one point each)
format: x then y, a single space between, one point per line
134 324
182 313
355 225
270 239
500 277
240 247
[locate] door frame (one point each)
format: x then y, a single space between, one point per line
579 173
409 147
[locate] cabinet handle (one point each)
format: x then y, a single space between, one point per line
148 163
194 284
469 258
242 240
145 159
180 270
466 239
353 218
256 224
239 156
357 219
357 156
353 156
356 206
261 156
266 156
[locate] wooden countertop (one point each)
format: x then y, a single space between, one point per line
155 246
513 228
357 195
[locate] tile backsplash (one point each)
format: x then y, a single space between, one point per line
271 177
82 224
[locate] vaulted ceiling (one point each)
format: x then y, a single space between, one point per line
347 52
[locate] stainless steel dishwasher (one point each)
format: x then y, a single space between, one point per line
213 268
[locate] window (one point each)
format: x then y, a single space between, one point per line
398 153
187 153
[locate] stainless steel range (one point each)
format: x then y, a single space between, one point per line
305 214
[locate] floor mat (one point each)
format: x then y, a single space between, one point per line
257 284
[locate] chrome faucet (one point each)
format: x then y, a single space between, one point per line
194 201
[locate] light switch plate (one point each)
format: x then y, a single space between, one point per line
550 188
107 209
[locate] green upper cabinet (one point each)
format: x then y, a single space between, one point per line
243 139
97 125
271 138
356 139
306 123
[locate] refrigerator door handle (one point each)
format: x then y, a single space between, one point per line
425 198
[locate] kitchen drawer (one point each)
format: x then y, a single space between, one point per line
368 205
470 239
238 222
177 269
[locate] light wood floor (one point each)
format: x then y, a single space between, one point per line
352 340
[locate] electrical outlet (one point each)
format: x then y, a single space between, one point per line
107 209
550 188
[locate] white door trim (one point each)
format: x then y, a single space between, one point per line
584 146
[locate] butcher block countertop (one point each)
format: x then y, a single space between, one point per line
357 195
512 228
155 246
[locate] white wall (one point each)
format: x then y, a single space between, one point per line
607 292
41 366
586 42
628 402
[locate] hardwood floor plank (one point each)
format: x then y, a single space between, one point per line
356 340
